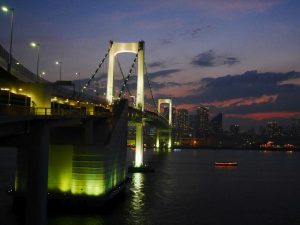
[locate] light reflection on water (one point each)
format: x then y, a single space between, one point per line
80 220
136 205
188 189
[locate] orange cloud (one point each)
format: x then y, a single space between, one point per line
265 115
243 101
295 81
189 107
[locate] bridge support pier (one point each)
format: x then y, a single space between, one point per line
169 138
139 145
36 198
89 132
157 139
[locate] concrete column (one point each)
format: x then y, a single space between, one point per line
157 139
37 186
170 138
110 76
140 78
170 112
89 131
139 145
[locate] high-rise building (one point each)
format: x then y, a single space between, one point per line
234 129
216 124
183 122
273 130
295 128
201 121
192 122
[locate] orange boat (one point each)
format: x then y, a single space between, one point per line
226 164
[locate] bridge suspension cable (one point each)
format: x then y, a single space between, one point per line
96 71
119 65
128 76
149 84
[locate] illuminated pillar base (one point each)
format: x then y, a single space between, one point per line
170 138
157 139
139 145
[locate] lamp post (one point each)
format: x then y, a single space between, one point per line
11 10
42 74
59 63
37 45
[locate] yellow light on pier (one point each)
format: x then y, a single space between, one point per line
54 99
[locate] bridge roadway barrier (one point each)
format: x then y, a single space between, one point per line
74 159
13 111
17 69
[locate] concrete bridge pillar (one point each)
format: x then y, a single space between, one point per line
157 139
37 180
89 131
139 145
170 138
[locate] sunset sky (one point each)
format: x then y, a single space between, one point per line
191 47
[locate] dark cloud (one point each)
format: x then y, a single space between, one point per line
231 61
159 85
205 59
195 32
163 73
248 85
156 64
210 59
165 41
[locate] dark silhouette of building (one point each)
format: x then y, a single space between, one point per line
216 124
202 121
273 130
234 129
295 127
216 131
183 122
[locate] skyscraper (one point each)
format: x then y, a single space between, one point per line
234 129
216 124
183 122
273 130
201 121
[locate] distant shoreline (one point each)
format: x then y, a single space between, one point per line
235 148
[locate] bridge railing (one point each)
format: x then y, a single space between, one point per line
13 110
17 69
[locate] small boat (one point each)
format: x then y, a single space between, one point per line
226 164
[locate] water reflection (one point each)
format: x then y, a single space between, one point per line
136 206
77 219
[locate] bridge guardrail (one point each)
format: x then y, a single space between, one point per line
13 110
17 68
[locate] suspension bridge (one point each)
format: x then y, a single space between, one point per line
72 144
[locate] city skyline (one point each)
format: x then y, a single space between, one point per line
196 42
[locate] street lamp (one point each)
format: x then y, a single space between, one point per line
42 74
37 45
59 63
11 10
